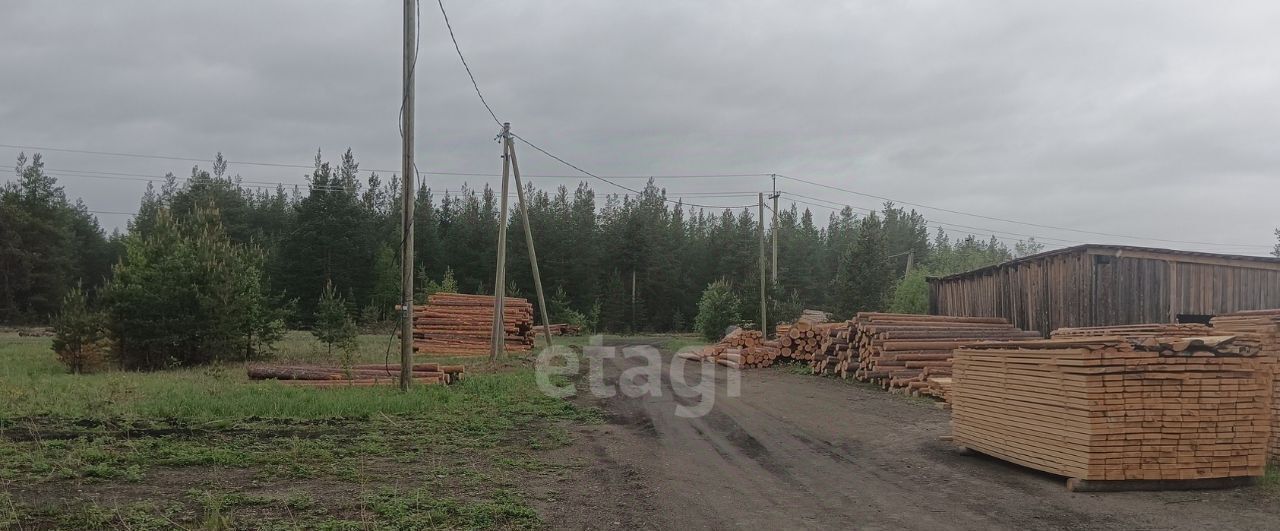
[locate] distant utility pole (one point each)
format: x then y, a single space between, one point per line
408 172
775 229
764 322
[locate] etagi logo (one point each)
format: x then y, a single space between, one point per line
635 371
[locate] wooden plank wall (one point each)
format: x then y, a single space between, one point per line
1096 289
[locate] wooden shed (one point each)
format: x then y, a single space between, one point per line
1098 285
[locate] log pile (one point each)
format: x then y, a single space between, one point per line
938 387
355 376
804 339
1264 326
902 352
560 329
1109 408
740 349
457 324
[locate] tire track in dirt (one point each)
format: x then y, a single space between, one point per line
800 452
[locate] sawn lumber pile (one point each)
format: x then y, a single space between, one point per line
902 352
356 376
1264 325
453 323
1110 408
1135 331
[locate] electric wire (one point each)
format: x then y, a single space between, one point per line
457 48
1026 223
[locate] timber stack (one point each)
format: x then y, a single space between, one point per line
560 329
354 376
1103 409
457 324
903 352
1135 331
739 349
1264 326
803 340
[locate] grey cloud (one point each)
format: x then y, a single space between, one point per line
1144 118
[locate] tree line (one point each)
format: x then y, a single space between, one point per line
611 262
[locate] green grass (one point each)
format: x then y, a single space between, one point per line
1271 480
402 456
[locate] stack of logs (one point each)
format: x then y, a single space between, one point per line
457 324
1264 327
740 349
905 352
560 329
356 375
804 339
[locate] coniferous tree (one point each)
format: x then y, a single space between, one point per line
333 325
185 294
718 309
78 338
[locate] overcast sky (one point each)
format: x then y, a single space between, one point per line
1151 119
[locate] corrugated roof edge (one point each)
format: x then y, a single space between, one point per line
1089 246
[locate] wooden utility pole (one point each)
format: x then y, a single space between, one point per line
775 229
408 173
911 261
764 322
500 276
528 241
633 299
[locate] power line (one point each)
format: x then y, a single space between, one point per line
465 65
578 168
935 222
981 231
140 177
1027 223
375 170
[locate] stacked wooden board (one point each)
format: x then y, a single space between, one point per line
457 324
1135 331
1264 325
354 376
1110 408
903 352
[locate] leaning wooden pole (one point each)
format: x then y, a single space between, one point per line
528 242
407 176
500 275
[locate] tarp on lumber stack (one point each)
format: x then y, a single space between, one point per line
1109 408
457 324
1264 326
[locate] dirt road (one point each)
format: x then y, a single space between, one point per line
797 451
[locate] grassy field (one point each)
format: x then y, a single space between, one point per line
207 448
